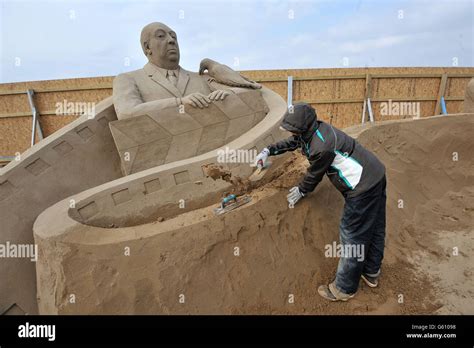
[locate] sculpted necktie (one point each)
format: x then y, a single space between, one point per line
172 78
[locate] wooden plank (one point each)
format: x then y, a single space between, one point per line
441 91
52 90
343 101
28 114
454 98
340 77
368 91
403 99
403 76
332 101
313 78
395 76
373 76
460 75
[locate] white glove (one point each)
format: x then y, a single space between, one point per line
261 158
294 196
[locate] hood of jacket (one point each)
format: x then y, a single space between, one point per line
302 121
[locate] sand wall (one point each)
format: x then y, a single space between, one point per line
44 174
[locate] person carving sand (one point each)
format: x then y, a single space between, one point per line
360 177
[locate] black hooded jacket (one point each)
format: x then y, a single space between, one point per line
351 168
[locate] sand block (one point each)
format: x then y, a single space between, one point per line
170 135
208 116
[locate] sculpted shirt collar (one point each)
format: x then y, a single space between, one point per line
159 75
151 68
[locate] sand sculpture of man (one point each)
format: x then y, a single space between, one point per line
162 83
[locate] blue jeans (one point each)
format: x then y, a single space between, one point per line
362 234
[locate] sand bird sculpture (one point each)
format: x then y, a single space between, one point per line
223 74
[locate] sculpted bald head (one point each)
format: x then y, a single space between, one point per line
160 45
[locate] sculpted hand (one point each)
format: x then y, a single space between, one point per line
220 94
196 100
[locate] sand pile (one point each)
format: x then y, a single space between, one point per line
239 185
430 213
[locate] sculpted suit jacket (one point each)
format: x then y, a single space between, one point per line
149 84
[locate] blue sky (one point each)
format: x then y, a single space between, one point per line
43 40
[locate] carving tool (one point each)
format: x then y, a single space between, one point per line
231 202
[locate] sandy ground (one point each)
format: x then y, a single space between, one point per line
429 260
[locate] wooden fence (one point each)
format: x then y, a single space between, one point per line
337 94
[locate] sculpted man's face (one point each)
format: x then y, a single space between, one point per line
163 45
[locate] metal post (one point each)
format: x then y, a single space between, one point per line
290 91
369 107
443 106
35 124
